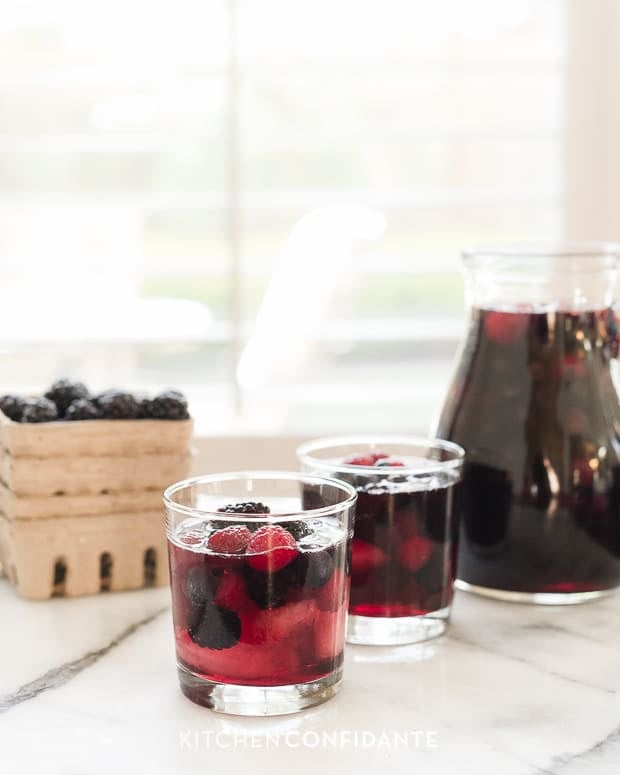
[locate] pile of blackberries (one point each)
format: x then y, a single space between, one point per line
69 400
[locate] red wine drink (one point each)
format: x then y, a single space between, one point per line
260 589
534 405
403 554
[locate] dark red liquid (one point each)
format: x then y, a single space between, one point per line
535 408
239 625
405 541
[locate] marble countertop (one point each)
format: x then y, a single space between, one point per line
88 686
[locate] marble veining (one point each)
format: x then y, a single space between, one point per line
58 676
88 686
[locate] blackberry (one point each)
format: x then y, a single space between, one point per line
13 407
320 569
297 529
63 392
200 586
251 507
118 405
169 405
268 590
82 409
218 628
40 410
146 408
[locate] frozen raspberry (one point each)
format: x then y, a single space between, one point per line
368 459
232 592
365 557
415 553
505 327
193 538
217 628
271 548
230 540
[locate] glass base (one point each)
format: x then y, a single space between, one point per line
257 700
396 631
537 598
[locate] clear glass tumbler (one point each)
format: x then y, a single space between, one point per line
259 566
406 531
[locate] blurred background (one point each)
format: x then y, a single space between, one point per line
262 203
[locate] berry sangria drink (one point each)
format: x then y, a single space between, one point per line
260 589
539 416
534 405
403 560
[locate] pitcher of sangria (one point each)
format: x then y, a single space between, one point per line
534 405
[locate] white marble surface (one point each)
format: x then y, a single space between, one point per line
88 686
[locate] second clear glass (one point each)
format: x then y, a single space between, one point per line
406 531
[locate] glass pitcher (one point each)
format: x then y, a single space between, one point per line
534 405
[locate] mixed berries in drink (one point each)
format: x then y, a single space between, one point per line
257 603
404 550
259 599
403 561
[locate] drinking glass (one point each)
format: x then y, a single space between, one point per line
260 585
406 530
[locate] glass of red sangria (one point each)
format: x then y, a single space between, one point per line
404 548
260 587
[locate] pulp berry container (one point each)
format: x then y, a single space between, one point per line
259 566
406 528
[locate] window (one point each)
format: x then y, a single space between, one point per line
263 203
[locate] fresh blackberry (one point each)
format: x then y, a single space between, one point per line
200 586
320 569
82 409
40 410
118 405
146 408
63 392
297 529
251 507
268 590
169 405
13 407
218 628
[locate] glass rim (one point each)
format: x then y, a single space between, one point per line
305 456
286 516
555 250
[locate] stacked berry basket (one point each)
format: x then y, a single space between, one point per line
81 478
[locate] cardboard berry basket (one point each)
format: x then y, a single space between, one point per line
80 503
